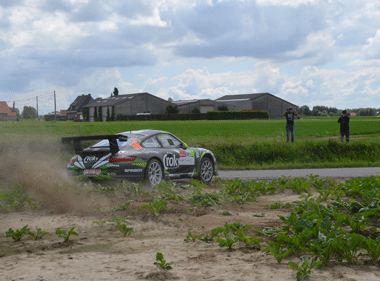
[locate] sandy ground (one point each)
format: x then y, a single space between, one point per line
102 253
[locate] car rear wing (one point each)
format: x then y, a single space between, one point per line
114 147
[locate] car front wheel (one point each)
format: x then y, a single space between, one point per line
206 171
153 172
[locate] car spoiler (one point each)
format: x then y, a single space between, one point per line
114 147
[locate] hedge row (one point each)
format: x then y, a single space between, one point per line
238 115
210 115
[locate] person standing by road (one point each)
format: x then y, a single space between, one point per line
344 121
290 115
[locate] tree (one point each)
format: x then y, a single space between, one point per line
305 110
29 112
115 92
172 109
16 110
86 113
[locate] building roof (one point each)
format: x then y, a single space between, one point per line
79 103
241 97
201 101
117 99
4 108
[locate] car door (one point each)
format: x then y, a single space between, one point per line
176 160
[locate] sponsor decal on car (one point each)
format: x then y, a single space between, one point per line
90 159
186 161
170 161
136 145
132 170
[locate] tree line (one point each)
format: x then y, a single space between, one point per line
320 110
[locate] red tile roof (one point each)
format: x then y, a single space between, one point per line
4 108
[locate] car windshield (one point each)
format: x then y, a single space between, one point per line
131 139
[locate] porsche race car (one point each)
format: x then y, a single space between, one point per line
147 155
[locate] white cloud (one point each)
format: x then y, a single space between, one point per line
372 49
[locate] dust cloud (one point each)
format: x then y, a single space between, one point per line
39 165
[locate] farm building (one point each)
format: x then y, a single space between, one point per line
275 106
203 105
129 104
6 113
75 111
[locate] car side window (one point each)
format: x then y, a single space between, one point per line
168 140
151 142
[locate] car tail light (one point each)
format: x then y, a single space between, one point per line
121 158
72 161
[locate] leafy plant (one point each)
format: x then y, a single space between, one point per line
157 206
161 263
66 234
125 230
227 240
277 250
350 245
38 235
305 268
18 234
101 222
117 220
227 213
373 248
121 207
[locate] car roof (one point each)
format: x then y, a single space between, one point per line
146 132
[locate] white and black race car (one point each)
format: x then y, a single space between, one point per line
148 155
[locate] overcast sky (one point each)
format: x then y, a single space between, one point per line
305 51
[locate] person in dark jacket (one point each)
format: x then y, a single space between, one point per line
344 121
290 115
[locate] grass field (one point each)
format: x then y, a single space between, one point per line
238 144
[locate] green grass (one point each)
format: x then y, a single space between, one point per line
237 144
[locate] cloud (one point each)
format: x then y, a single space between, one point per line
372 49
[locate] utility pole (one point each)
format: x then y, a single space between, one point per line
37 106
55 108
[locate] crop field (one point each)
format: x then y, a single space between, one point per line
55 228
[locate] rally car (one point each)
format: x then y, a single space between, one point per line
146 155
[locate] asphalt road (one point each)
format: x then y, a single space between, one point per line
338 173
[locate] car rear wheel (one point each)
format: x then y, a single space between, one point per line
206 171
154 172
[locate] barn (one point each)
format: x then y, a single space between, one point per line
275 106
129 104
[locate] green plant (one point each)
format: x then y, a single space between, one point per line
277 250
38 235
117 220
125 230
18 234
373 248
305 268
350 245
227 213
161 263
121 207
158 205
227 240
65 234
101 222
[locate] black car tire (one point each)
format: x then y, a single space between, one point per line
154 172
206 171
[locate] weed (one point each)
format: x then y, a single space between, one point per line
161 263
117 220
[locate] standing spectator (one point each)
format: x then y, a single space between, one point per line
344 120
290 115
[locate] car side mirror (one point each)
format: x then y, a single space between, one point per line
184 145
